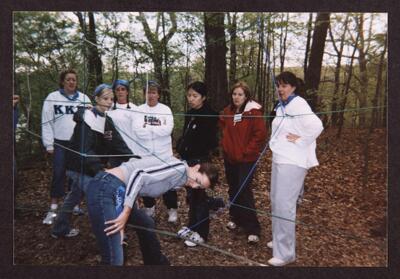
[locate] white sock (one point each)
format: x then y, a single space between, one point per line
53 206
76 207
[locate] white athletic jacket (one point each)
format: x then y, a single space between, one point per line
151 177
57 116
300 120
152 127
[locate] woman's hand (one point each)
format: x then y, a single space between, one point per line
118 224
292 137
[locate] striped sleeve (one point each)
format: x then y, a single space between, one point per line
155 180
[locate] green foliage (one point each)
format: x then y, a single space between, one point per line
47 42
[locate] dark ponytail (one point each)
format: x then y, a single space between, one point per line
300 88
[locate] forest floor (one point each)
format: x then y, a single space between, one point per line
339 223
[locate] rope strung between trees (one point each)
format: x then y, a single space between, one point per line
362 109
232 202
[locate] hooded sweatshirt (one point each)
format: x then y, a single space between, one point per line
243 135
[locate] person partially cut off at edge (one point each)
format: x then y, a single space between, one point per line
112 194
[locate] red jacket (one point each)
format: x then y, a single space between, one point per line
244 140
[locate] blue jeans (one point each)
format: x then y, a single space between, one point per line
101 203
58 181
79 185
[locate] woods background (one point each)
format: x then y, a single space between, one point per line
342 58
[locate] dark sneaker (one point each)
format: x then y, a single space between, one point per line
71 233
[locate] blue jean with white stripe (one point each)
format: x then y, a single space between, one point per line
102 206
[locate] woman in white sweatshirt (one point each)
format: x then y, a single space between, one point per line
122 113
57 128
152 126
293 143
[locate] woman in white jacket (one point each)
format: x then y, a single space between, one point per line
293 143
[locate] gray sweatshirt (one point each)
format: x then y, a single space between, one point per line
151 177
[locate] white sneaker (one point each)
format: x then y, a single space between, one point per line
270 245
172 215
252 239
184 232
194 239
50 217
231 225
77 211
278 262
150 211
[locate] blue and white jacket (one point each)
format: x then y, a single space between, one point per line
152 177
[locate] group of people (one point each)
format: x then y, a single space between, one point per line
113 152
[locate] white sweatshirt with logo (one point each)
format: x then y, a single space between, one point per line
152 127
57 117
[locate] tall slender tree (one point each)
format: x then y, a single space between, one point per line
339 52
346 88
308 43
363 48
313 73
232 29
215 61
94 64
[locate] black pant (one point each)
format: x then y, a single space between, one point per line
148 241
241 215
170 200
199 220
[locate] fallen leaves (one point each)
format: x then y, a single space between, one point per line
340 222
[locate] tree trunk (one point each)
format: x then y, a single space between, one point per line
283 38
366 150
378 90
94 64
346 89
215 60
313 73
233 35
362 63
339 52
115 68
307 52
159 52
260 60
166 94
